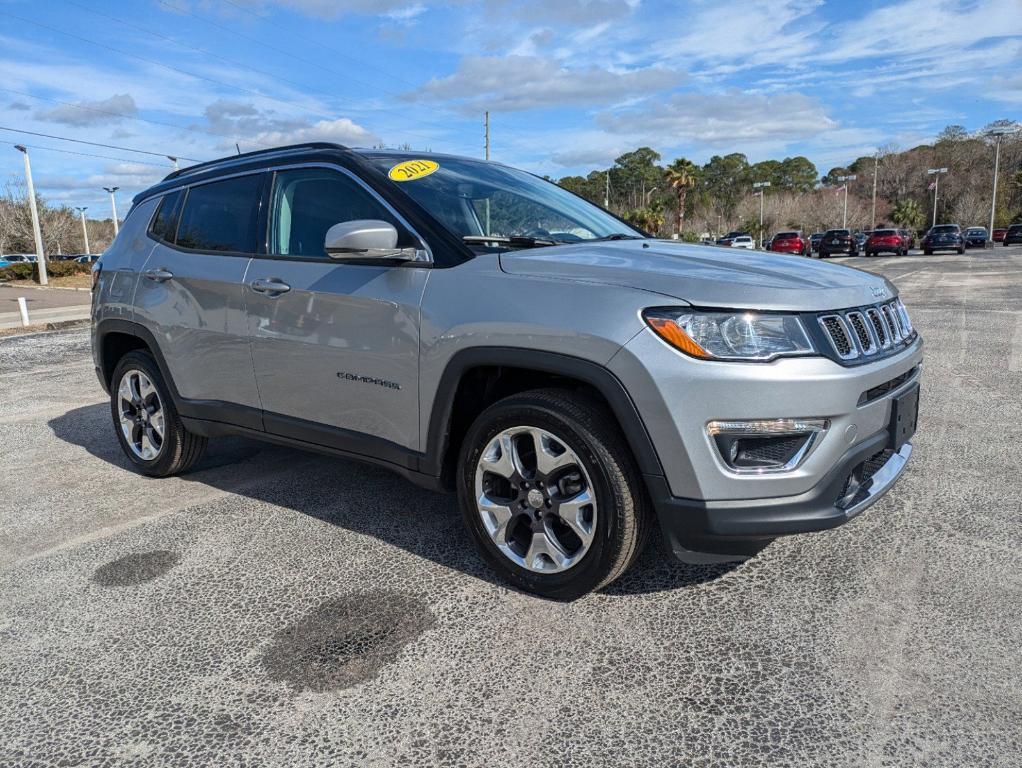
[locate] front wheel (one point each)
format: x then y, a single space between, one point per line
550 493
147 423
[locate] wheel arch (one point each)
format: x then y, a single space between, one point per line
115 338
475 378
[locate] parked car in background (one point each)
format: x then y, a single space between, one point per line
975 237
814 241
944 237
838 241
87 258
4 262
743 241
726 239
21 258
1014 235
860 239
885 241
790 242
909 237
999 234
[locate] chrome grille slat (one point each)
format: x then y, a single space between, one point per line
867 332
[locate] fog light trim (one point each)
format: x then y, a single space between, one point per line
727 436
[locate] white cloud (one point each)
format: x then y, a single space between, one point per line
101 112
263 128
728 118
512 83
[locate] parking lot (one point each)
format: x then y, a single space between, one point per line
275 607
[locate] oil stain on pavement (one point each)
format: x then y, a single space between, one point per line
136 568
346 640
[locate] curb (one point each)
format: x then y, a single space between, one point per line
57 325
45 287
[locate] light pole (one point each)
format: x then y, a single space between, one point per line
997 132
85 232
876 172
846 179
935 172
113 205
646 201
40 256
761 186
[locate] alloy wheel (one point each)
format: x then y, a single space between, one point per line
535 499
141 415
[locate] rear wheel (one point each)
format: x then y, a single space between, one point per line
927 252
550 493
147 423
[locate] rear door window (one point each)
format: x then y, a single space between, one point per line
222 215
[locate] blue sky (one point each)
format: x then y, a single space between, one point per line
570 83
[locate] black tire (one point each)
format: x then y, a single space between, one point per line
180 448
927 253
623 521
961 251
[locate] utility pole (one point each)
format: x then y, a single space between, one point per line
761 186
936 172
85 232
997 132
113 205
40 256
486 131
876 171
606 193
846 179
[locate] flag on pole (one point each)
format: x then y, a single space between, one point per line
933 186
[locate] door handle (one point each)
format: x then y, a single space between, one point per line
272 286
159 274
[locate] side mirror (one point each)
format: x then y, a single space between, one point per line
367 239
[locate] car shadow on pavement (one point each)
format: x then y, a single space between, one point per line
362 498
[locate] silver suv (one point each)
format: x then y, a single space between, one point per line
478 329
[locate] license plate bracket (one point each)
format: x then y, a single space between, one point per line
904 416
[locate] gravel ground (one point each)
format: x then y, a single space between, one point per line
275 607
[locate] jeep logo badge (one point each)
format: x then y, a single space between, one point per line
879 292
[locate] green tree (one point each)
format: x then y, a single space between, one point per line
726 181
645 219
797 174
681 176
908 213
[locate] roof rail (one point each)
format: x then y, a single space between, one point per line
230 159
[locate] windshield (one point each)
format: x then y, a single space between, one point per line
838 232
473 199
786 235
885 233
977 230
944 229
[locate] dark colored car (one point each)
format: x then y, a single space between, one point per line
860 239
729 237
814 241
886 241
944 237
1014 235
999 234
838 241
975 237
909 237
790 242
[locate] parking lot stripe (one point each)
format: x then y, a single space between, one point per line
1015 360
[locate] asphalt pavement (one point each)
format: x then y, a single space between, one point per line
274 607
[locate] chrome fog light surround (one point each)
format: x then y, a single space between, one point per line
765 446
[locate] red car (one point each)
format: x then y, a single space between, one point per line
790 242
999 234
886 241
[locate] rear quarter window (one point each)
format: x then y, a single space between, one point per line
164 223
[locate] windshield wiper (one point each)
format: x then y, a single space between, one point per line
515 241
615 236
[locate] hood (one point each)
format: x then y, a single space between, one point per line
706 276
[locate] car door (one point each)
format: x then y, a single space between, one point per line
190 295
335 345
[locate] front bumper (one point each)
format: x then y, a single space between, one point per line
722 531
702 504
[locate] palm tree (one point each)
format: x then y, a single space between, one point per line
907 213
681 175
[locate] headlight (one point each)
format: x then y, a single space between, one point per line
730 335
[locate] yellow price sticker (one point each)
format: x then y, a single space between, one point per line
410 170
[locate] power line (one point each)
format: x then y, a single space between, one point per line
98 144
296 57
194 129
84 154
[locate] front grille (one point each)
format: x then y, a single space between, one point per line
866 332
